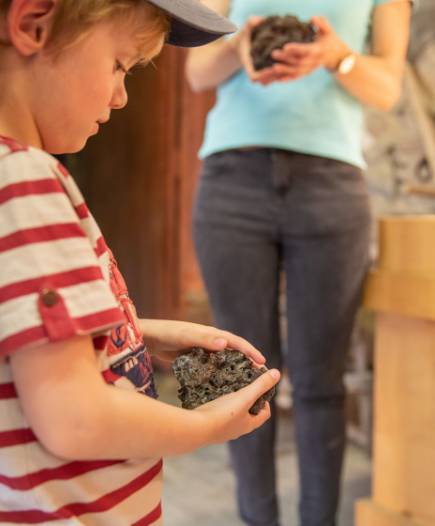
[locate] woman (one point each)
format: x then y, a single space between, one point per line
282 188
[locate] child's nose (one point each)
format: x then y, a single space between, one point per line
120 97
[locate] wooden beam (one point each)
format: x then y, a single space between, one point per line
368 513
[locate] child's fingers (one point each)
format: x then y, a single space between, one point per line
256 421
264 414
214 339
242 345
261 385
220 340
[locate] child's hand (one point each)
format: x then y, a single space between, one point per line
165 335
229 417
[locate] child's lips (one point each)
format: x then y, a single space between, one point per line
95 128
98 123
104 119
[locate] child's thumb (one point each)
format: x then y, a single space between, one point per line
262 384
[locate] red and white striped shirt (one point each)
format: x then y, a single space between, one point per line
58 279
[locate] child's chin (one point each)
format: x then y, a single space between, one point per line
70 148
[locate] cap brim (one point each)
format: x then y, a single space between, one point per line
193 24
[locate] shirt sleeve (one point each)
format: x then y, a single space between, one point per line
414 3
51 284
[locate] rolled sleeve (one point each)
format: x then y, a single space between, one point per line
51 284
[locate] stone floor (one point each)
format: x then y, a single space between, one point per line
199 488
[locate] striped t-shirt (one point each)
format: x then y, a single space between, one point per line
58 279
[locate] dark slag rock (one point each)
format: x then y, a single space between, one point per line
204 376
273 33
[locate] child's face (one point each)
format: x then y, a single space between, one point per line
73 93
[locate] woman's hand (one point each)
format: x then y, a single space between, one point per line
294 60
228 416
165 335
242 46
297 60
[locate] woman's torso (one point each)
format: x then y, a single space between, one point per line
314 114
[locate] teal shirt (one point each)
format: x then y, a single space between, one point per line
312 115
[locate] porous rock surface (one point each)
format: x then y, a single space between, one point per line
273 33
204 376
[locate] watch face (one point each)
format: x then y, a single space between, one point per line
347 64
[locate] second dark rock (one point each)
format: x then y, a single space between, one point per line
273 33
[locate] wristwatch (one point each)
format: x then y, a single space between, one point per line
346 64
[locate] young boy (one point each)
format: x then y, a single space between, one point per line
76 391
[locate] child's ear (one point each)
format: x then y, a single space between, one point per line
29 23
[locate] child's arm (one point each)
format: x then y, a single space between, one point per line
76 415
166 335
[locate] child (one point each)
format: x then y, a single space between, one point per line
76 390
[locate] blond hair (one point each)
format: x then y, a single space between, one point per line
74 18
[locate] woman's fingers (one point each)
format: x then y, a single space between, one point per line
253 21
245 46
297 53
292 61
322 24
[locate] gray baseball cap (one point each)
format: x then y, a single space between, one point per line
193 24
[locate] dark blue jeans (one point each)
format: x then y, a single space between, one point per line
258 212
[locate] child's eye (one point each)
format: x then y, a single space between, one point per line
121 67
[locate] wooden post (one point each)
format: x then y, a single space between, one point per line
402 292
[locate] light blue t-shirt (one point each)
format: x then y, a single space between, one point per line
314 114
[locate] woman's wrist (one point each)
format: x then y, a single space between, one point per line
336 55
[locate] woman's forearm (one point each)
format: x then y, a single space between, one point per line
376 79
211 65
373 81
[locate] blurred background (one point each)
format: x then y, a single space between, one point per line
139 176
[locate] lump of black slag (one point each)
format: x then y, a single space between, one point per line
273 33
204 376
